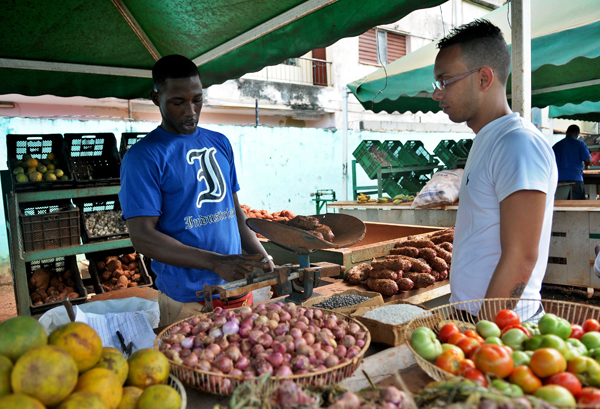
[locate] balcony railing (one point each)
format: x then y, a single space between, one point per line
309 71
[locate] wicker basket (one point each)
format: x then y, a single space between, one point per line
177 385
221 384
573 312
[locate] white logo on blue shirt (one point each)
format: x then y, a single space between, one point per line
211 173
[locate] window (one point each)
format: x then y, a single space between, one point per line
294 62
380 47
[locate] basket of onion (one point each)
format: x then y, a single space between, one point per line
217 351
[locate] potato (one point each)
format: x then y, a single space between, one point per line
113 265
40 279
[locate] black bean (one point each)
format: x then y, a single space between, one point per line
339 301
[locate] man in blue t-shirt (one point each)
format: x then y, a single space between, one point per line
572 155
178 195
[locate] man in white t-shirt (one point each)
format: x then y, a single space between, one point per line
504 217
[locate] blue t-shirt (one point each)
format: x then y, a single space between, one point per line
187 181
570 154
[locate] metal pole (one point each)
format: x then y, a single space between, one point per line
345 141
256 110
521 57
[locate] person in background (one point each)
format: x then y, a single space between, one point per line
572 155
504 217
179 197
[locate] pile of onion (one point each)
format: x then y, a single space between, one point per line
281 339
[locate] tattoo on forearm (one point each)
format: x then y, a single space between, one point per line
516 292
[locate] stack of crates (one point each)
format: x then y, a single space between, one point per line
419 153
445 151
413 182
392 188
372 156
401 154
463 147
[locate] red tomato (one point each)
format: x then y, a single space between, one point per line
446 331
464 365
507 317
454 338
449 361
468 345
476 376
473 334
522 328
566 380
524 377
493 360
591 325
589 396
577 331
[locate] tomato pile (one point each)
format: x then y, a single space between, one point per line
554 360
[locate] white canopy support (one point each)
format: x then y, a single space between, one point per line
137 29
68 67
521 57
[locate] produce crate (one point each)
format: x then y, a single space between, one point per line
413 182
444 151
383 333
93 258
91 205
94 158
372 156
403 158
38 146
391 187
60 265
463 147
128 139
375 299
49 226
419 153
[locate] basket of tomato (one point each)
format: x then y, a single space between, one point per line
549 349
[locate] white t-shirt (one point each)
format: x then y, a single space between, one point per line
508 155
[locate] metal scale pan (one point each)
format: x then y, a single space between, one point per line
348 230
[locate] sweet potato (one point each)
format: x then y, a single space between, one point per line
443 254
35 297
436 275
388 274
136 277
443 275
326 232
113 265
358 273
446 246
394 264
106 275
129 258
433 260
122 280
405 251
101 265
421 280
40 279
133 265
418 243
132 284
448 237
405 284
54 282
316 234
67 274
73 295
443 232
383 286
417 265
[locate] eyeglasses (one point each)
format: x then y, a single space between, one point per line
442 84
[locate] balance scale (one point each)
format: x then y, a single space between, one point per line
348 230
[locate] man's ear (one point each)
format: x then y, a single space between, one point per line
154 98
486 78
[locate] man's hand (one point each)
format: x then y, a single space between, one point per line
235 267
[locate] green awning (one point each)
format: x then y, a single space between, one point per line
99 48
587 111
565 62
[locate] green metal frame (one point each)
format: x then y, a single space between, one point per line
18 257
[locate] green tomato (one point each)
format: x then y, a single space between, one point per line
533 343
488 329
514 338
591 340
575 348
493 341
508 389
529 354
551 324
586 369
520 358
553 341
425 343
533 328
556 395
454 347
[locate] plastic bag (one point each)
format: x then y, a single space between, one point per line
57 317
441 190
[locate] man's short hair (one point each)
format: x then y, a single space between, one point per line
482 44
172 66
573 131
